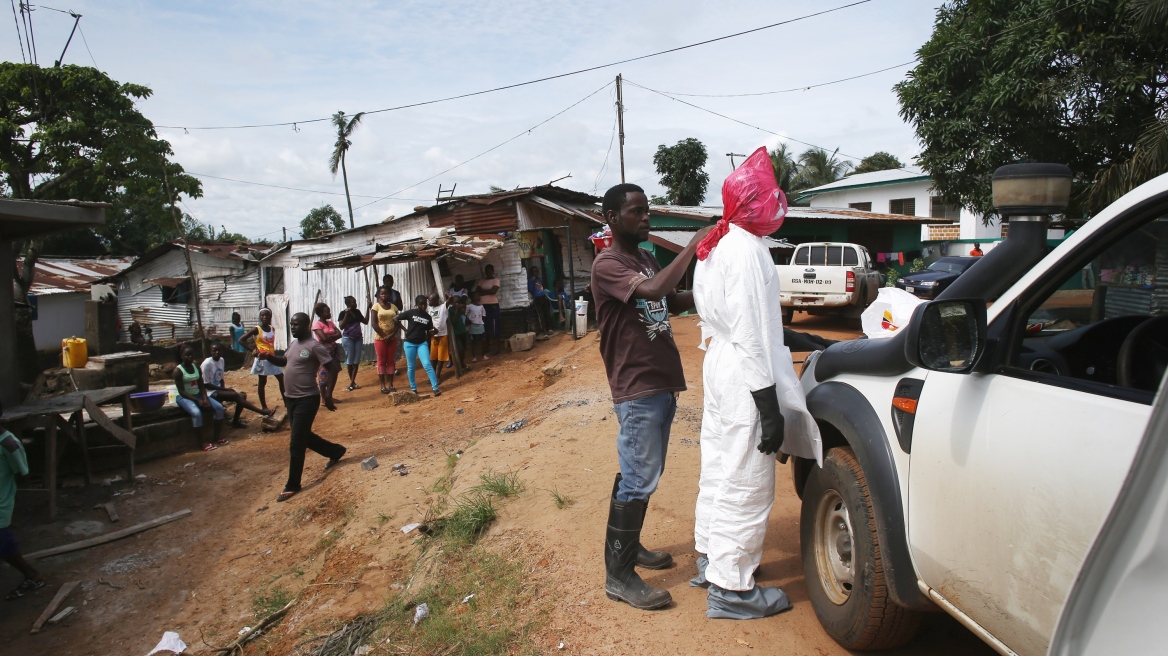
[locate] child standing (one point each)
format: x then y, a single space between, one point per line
440 342
262 339
475 312
13 465
458 321
418 328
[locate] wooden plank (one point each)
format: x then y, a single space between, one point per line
69 610
66 403
128 424
52 607
108 537
109 510
51 464
80 420
101 419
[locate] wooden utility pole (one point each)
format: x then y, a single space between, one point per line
190 267
285 234
620 122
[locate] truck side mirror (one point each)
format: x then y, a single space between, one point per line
947 335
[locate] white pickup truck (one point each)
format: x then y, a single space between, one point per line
828 277
970 461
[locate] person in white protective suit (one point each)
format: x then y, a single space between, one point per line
754 406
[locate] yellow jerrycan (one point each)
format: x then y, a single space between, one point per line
74 353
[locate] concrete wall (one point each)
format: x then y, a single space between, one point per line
59 316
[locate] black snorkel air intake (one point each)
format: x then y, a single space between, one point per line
1025 195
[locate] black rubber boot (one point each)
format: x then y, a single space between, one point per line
645 558
622 542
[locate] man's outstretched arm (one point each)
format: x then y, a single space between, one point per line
662 284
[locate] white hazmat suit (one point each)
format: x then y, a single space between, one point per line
736 289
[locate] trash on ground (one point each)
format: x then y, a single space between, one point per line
401 469
369 463
458 411
141 477
170 642
514 426
362 650
244 630
421 612
468 598
110 481
409 527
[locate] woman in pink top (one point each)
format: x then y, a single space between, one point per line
328 335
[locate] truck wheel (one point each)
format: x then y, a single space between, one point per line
841 559
788 315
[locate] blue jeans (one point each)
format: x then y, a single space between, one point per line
415 352
642 443
196 412
353 346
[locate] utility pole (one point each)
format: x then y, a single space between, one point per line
620 121
76 20
732 156
190 267
285 234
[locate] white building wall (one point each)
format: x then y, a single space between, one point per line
881 196
59 316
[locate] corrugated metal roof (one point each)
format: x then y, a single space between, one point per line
63 275
221 250
471 219
676 240
464 248
889 176
796 214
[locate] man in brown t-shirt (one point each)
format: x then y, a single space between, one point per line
634 297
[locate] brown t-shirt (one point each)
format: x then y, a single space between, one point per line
305 358
636 340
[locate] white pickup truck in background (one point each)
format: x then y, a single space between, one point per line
828 278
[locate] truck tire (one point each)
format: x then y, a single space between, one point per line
842 568
788 315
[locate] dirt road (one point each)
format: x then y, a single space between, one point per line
337 545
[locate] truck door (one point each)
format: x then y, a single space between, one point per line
1012 472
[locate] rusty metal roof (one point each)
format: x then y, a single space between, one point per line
465 248
63 275
797 214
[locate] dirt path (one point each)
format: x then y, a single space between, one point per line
337 545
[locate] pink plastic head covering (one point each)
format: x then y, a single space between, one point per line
751 200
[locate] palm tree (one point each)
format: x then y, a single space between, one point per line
344 131
818 167
786 170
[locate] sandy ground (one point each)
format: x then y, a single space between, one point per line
338 545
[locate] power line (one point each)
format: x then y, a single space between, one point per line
749 125
82 30
915 60
26 15
604 166
492 148
19 38
530 82
264 184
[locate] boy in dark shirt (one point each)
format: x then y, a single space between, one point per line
419 328
634 297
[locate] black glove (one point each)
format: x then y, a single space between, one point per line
767 401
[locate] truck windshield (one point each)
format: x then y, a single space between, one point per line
827 256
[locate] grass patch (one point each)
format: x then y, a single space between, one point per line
503 485
383 518
470 517
501 618
266 603
327 541
562 500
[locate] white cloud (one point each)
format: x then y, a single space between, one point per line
252 62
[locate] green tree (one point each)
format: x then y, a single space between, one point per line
878 161
321 221
786 169
72 132
818 167
345 130
1080 83
680 168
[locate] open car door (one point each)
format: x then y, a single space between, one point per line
1117 603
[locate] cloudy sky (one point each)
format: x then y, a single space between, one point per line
238 63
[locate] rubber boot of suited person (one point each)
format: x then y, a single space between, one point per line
621 544
750 604
645 558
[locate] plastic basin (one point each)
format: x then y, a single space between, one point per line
148 401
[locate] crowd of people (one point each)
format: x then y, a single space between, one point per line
431 334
